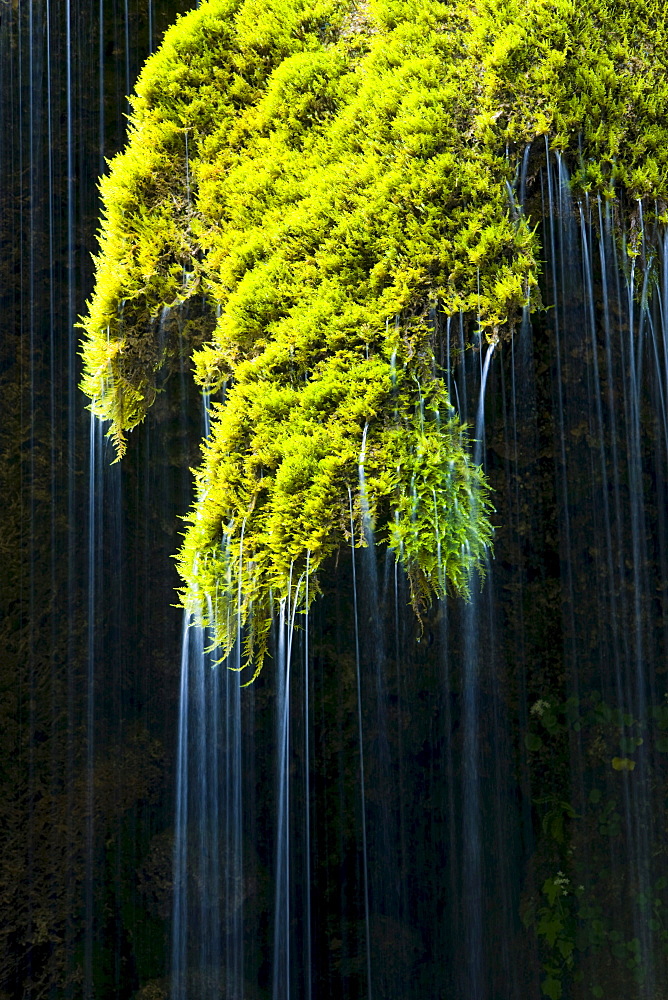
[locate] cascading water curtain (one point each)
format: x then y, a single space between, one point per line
587 626
207 921
207 946
472 807
81 815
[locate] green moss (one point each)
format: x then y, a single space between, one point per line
327 175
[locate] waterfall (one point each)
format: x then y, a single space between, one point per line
360 735
471 805
81 762
207 954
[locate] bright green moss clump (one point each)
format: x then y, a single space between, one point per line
326 175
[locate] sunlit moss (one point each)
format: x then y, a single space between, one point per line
326 176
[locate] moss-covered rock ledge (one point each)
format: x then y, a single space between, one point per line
327 176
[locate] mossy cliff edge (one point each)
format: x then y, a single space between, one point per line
327 178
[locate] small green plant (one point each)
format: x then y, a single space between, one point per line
581 938
555 925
